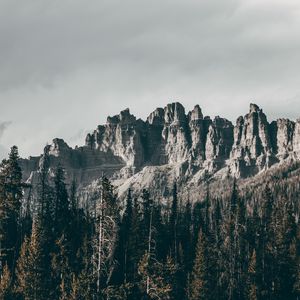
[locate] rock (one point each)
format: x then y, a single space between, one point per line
58 147
296 139
195 114
185 146
156 117
174 114
252 143
198 128
219 140
282 132
175 134
122 136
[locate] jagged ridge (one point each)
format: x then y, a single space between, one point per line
187 144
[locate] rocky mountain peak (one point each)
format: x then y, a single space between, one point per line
196 114
156 117
57 147
186 145
175 113
254 108
125 117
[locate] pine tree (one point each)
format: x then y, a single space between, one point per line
126 227
61 267
136 242
23 269
229 258
198 280
6 285
106 235
251 282
286 252
10 203
186 237
63 252
33 266
174 225
62 205
265 251
241 248
157 279
83 283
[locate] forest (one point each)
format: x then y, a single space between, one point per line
243 244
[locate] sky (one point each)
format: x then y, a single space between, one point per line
65 65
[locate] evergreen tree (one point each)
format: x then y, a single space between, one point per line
197 288
6 285
286 252
265 251
61 267
186 236
241 248
83 283
157 279
251 282
105 240
229 255
174 225
23 270
33 267
136 242
62 205
126 227
63 249
10 204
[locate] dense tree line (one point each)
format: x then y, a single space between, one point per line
245 246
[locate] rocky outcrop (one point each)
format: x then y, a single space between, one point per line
282 133
82 164
198 127
188 144
175 134
252 151
296 139
122 136
219 140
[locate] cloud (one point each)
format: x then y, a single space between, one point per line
3 150
3 127
66 65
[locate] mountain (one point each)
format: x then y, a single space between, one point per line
172 145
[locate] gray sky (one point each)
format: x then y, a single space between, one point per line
67 64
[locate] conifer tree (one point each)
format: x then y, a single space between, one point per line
136 242
198 280
106 235
10 203
230 246
62 205
251 281
186 236
157 279
63 252
23 269
126 227
174 225
61 267
241 248
286 250
265 251
33 267
6 292
83 283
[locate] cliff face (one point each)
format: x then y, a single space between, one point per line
187 143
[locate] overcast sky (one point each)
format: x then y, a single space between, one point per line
67 64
